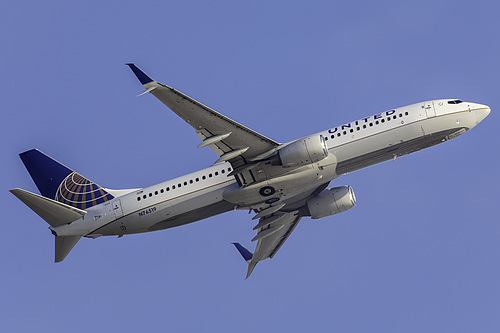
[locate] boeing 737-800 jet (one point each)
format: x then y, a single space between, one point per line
280 182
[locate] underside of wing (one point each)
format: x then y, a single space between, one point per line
230 140
274 180
273 231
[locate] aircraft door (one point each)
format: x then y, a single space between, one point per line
117 208
429 109
439 107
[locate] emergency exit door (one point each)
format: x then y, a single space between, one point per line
117 208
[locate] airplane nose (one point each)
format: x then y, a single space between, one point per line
482 112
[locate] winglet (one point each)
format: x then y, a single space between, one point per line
143 78
247 255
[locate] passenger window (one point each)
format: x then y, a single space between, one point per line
216 173
364 126
406 113
173 187
156 192
400 115
179 185
223 171
228 169
338 134
138 198
197 179
190 181
150 194
204 177
144 196
332 136
371 124
344 133
357 128
388 118
185 183
168 189
161 191
394 117
383 120
209 175
376 122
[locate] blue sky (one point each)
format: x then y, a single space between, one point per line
419 253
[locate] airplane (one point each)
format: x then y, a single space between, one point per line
280 182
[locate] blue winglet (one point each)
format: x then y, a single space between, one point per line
247 255
143 78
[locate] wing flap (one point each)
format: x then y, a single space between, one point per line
271 242
267 247
267 232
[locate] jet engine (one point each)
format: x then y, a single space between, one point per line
304 151
331 201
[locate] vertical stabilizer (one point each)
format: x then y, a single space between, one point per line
64 244
64 196
58 182
46 172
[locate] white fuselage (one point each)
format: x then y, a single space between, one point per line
213 191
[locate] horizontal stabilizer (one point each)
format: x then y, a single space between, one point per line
64 245
53 212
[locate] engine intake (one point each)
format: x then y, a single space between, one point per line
331 201
304 151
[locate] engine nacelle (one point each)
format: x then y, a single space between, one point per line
331 201
304 151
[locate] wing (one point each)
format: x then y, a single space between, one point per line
232 141
273 231
246 150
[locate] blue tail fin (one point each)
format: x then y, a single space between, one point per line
58 182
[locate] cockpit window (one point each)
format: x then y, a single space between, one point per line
456 101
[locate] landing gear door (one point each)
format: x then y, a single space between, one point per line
117 208
429 109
